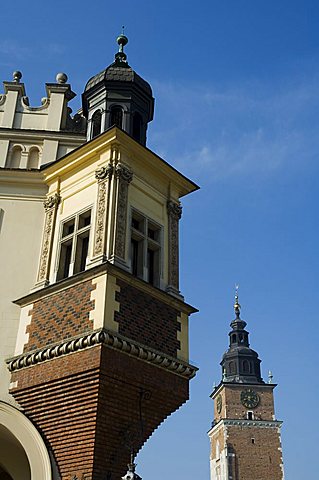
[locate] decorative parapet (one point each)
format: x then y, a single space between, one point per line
174 211
102 337
50 205
103 176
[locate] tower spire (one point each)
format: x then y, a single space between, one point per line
237 306
122 40
240 364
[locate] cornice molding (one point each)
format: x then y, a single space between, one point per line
245 423
111 340
117 272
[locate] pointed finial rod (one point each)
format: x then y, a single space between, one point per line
122 40
237 306
270 376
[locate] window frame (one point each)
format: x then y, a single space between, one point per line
146 244
79 233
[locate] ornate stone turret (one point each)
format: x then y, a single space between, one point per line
240 363
118 96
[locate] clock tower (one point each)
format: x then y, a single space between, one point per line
245 435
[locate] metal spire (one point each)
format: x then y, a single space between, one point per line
237 306
122 40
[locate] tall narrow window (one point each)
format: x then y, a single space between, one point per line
74 245
96 123
116 117
15 159
33 158
145 248
137 127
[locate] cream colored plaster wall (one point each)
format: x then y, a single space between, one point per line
104 302
182 336
20 240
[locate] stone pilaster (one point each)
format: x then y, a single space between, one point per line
174 211
103 176
123 175
50 205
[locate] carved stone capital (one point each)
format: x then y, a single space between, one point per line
123 173
52 201
104 172
174 209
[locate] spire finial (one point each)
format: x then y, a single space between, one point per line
270 376
237 306
122 40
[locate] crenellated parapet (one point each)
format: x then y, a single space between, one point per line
31 136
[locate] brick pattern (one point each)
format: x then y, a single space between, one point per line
260 460
233 408
147 320
60 398
256 450
86 405
60 316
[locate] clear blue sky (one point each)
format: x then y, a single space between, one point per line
237 103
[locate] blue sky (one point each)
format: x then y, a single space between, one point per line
237 100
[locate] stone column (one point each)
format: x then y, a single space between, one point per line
103 176
123 176
174 211
50 205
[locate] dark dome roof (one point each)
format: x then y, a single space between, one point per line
118 72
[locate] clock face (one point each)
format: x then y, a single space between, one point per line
249 398
219 403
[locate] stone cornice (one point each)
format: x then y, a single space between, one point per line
102 337
245 423
117 272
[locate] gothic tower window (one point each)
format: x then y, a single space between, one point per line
246 366
116 117
96 123
74 245
33 158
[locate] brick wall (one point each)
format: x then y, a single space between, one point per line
60 316
234 409
260 460
87 407
147 320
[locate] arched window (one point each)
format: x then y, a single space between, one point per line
96 123
116 117
15 157
246 366
232 367
137 126
33 158
233 338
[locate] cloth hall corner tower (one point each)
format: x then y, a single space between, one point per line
245 442
96 330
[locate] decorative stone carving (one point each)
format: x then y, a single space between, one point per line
103 176
124 176
174 211
108 338
50 206
2 99
123 172
104 172
52 201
